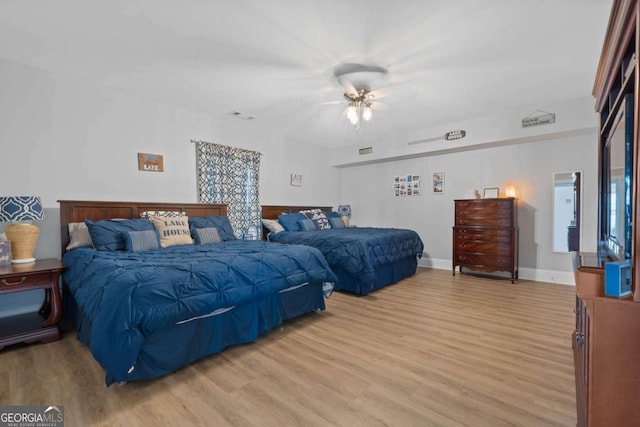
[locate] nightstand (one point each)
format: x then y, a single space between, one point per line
37 326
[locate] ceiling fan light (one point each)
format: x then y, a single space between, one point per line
352 114
367 113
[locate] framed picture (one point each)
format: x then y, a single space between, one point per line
491 193
296 180
437 186
150 162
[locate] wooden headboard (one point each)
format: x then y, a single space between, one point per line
272 212
78 211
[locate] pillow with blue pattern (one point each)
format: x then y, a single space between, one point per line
221 222
106 234
290 222
140 241
307 225
208 235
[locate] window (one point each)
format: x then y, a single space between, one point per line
230 175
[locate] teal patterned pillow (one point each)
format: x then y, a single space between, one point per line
307 225
140 241
208 235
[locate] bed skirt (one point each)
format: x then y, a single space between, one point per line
385 275
187 341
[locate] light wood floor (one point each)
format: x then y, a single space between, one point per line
433 350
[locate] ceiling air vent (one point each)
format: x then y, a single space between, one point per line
240 115
366 150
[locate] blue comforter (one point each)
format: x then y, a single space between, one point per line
357 250
127 296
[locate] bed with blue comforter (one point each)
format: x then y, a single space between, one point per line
146 314
365 259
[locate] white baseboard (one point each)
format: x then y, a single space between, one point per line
538 275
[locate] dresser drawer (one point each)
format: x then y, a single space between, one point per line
485 204
17 282
462 234
484 248
485 221
483 260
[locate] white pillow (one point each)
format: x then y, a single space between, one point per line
78 235
272 225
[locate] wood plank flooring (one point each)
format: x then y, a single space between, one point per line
432 350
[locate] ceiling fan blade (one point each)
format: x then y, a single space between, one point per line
349 88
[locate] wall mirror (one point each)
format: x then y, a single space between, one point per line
566 211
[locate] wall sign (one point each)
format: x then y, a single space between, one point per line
150 162
543 118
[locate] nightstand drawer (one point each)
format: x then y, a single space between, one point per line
19 282
33 326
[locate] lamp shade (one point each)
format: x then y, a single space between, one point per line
22 235
344 210
21 208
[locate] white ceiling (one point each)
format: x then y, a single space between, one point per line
448 60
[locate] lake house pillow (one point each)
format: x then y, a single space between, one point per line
172 231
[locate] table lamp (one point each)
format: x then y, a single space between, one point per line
21 210
345 213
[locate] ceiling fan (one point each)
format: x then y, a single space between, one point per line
357 81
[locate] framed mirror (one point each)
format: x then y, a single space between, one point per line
567 209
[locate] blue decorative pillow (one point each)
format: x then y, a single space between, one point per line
332 214
220 222
107 235
336 222
139 241
290 221
307 225
204 236
318 217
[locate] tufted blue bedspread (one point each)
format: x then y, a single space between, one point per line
358 250
128 296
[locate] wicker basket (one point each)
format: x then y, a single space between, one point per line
23 239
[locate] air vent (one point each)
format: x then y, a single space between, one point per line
240 115
366 150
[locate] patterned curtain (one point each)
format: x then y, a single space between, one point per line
230 175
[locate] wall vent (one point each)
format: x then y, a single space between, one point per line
240 115
366 150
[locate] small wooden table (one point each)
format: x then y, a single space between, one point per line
36 326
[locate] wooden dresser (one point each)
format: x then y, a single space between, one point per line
485 236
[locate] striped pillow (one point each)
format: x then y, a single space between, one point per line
204 236
139 241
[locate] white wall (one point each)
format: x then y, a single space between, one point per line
63 139
529 167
